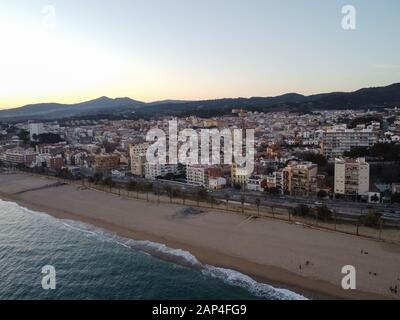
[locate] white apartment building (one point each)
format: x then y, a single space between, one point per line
254 183
351 177
156 170
337 140
216 183
35 129
197 176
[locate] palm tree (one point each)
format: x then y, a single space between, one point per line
149 187
183 196
242 200
201 194
168 189
227 198
334 216
258 202
176 193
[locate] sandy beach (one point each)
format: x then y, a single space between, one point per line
271 251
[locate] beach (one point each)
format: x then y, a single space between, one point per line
288 255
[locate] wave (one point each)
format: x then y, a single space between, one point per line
257 288
169 254
185 258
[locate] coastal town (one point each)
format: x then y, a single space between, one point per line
345 156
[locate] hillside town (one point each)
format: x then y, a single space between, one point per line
346 154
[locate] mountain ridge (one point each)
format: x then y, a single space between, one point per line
371 97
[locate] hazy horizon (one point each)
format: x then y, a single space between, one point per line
71 52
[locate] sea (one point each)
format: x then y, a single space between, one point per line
89 263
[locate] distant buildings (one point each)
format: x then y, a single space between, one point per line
20 156
137 155
216 183
239 176
55 163
351 177
152 171
197 176
337 140
105 162
255 183
300 178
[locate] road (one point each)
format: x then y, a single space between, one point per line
352 209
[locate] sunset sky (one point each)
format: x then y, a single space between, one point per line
185 49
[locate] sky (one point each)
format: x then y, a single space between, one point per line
69 51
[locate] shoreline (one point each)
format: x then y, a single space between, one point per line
275 275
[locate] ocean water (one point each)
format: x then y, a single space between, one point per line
93 264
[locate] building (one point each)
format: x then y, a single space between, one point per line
35 129
337 140
239 175
138 165
216 183
255 183
106 162
55 163
299 178
20 156
197 175
351 177
137 155
138 149
154 170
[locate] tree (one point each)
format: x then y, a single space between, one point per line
169 176
98 177
176 193
227 198
148 187
314 158
396 198
23 135
212 201
132 185
322 194
168 190
242 201
109 182
323 213
258 202
237 186
302 210
158 192
372 219
201 194
47 138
